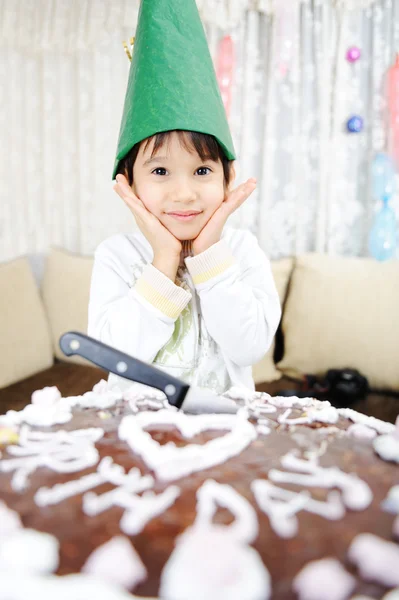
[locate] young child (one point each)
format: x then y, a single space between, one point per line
186 293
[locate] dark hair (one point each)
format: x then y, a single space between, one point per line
206 146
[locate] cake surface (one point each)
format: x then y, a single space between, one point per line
281 444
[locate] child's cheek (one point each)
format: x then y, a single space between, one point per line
136 191
146 198
215 194
151 205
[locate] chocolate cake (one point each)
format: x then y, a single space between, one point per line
303 479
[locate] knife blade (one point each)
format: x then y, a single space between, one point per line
191 399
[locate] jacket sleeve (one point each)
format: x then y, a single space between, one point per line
138 320
238 296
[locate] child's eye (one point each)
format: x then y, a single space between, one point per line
159 171
203 171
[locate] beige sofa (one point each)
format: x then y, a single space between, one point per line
337 313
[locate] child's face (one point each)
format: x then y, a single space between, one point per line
176 186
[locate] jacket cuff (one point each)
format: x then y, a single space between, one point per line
211 263
161 292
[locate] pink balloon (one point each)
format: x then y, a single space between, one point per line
225 70
353 54
393 107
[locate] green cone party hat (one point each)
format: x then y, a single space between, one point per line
172 81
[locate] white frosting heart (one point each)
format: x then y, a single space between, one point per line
169 462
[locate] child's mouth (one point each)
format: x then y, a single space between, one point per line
189 216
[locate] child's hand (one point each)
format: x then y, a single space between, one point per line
212 231
164 244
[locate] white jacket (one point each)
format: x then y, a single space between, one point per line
208 328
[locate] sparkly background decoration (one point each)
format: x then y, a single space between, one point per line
293 91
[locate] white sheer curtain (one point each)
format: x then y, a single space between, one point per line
63 75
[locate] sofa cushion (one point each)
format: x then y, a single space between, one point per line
343 312
66 289
266 370
25 343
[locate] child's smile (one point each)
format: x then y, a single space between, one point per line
184 216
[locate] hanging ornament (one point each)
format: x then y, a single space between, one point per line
393 107
353 54
225 70
383 176
355 124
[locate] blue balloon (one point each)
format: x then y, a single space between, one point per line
355 124
383 173
383 236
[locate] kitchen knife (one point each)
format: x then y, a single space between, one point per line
179 394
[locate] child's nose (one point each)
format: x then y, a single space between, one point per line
183 192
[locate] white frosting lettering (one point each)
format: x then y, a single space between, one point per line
214 561
356 494
142 509
281 506
60 451
211 494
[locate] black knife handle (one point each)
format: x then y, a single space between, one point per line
122 364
